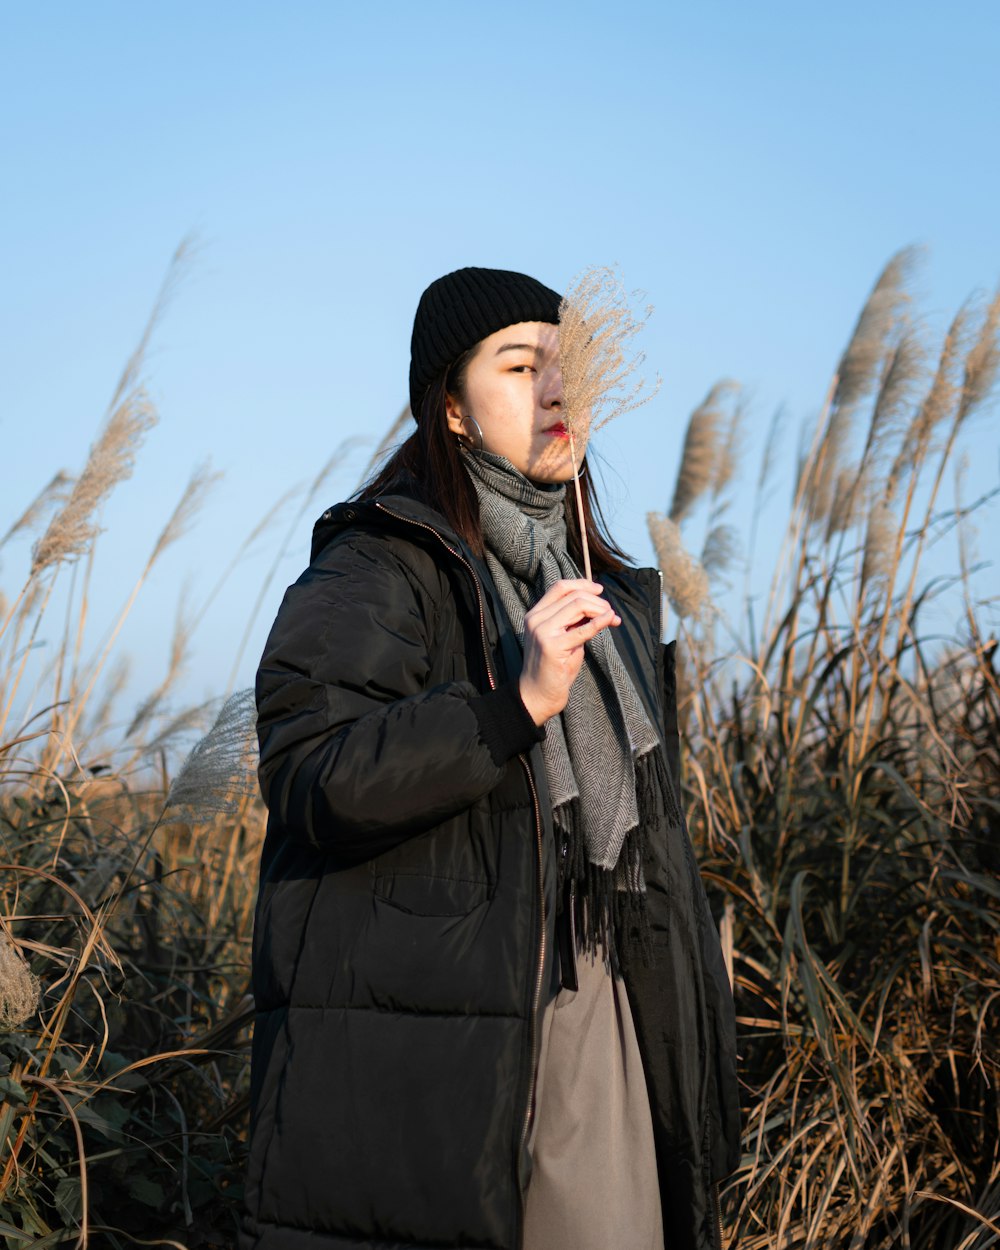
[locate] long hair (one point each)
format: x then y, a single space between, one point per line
429 465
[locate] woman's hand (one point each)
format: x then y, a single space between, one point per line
569 614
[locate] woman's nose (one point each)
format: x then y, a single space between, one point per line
552 395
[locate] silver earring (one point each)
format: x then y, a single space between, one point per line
582 471
473 442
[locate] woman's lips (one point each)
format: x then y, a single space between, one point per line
557 431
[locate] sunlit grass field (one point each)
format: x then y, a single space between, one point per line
842 782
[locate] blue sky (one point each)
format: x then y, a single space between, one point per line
750 167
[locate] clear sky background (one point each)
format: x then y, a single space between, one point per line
750 167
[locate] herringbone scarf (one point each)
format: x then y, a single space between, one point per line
592 750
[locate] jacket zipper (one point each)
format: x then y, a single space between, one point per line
540 965
533 1031
659 610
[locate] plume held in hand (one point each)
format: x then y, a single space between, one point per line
597 361
596 329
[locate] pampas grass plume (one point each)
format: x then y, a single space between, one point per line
54 492
19 988
220 771
904 369
596 359
703 446
111 461
880 538
731 450
846 504
112 457
982 362
858 371
199 484
685 581
939 400
721 548
880 315
596 327
769 459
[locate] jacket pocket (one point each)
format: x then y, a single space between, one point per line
420 894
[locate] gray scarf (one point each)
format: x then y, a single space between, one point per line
593 748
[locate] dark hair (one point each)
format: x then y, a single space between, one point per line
429 465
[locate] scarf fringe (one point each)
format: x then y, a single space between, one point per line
610 905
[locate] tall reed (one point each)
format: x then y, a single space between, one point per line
843 794
126 894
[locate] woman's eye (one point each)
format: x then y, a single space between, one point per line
522 368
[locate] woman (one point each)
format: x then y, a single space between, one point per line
492 1006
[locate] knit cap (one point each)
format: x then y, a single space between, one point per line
461 308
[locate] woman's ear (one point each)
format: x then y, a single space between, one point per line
453 411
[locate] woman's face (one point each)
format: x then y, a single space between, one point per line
513 388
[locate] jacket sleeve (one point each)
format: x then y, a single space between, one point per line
357 752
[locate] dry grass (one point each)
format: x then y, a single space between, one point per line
126 899
845 801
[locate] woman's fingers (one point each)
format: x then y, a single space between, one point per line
585 630
564 591
572 627
566 586
570 611
566 611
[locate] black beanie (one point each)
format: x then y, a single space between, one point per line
461 308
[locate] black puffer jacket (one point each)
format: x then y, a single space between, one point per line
406 905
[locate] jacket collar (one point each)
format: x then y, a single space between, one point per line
403 513
382 512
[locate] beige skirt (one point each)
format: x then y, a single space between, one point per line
593 1180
